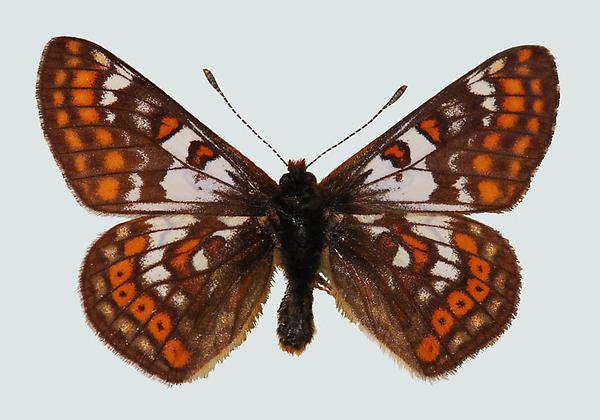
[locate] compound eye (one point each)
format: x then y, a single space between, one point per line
311 178
285 178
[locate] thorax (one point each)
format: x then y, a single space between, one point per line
299 217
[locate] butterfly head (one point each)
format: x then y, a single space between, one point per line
297 180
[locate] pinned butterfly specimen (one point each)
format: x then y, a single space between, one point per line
175 290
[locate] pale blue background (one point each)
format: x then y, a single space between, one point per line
305 76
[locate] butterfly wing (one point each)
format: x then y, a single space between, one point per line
432 289
124 146
473 147
174 294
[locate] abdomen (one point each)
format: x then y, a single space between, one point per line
301 239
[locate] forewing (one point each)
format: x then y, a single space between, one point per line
473 147
432 289
124 146
175 294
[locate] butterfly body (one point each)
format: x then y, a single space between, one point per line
300 209
386 234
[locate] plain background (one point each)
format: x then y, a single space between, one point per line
305 75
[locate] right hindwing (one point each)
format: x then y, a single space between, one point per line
432 289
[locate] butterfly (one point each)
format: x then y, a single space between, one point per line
176 289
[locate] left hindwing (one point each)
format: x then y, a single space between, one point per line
432 289
174 294
125 146
473 147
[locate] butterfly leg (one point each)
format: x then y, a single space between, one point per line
323 284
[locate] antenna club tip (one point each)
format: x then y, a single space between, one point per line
396 95
211 79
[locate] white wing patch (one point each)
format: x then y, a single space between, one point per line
402 258
413 186
189 185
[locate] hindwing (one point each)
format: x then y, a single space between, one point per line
175 294
432 289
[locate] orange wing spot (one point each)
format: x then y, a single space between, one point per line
522 70
479 267
465 242
489 191
429 349
62 117
175 353
442 321
478 289
160 326
205 151
88 115
188 246
538 106
74 47
73 140
108 189
533 125
514 168
429 126
73 62
59 77
414 242
521 144
482 164
460 303
135 246
103 136
124 294
200 154
524 55
84 78
80 163
82 97
394 151
491 141
120 272
58 98
181 263
420 258
514 104
142 308
513 86
507 120
536 86
167 126
114 161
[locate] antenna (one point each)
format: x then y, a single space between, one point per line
393 99
213 82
